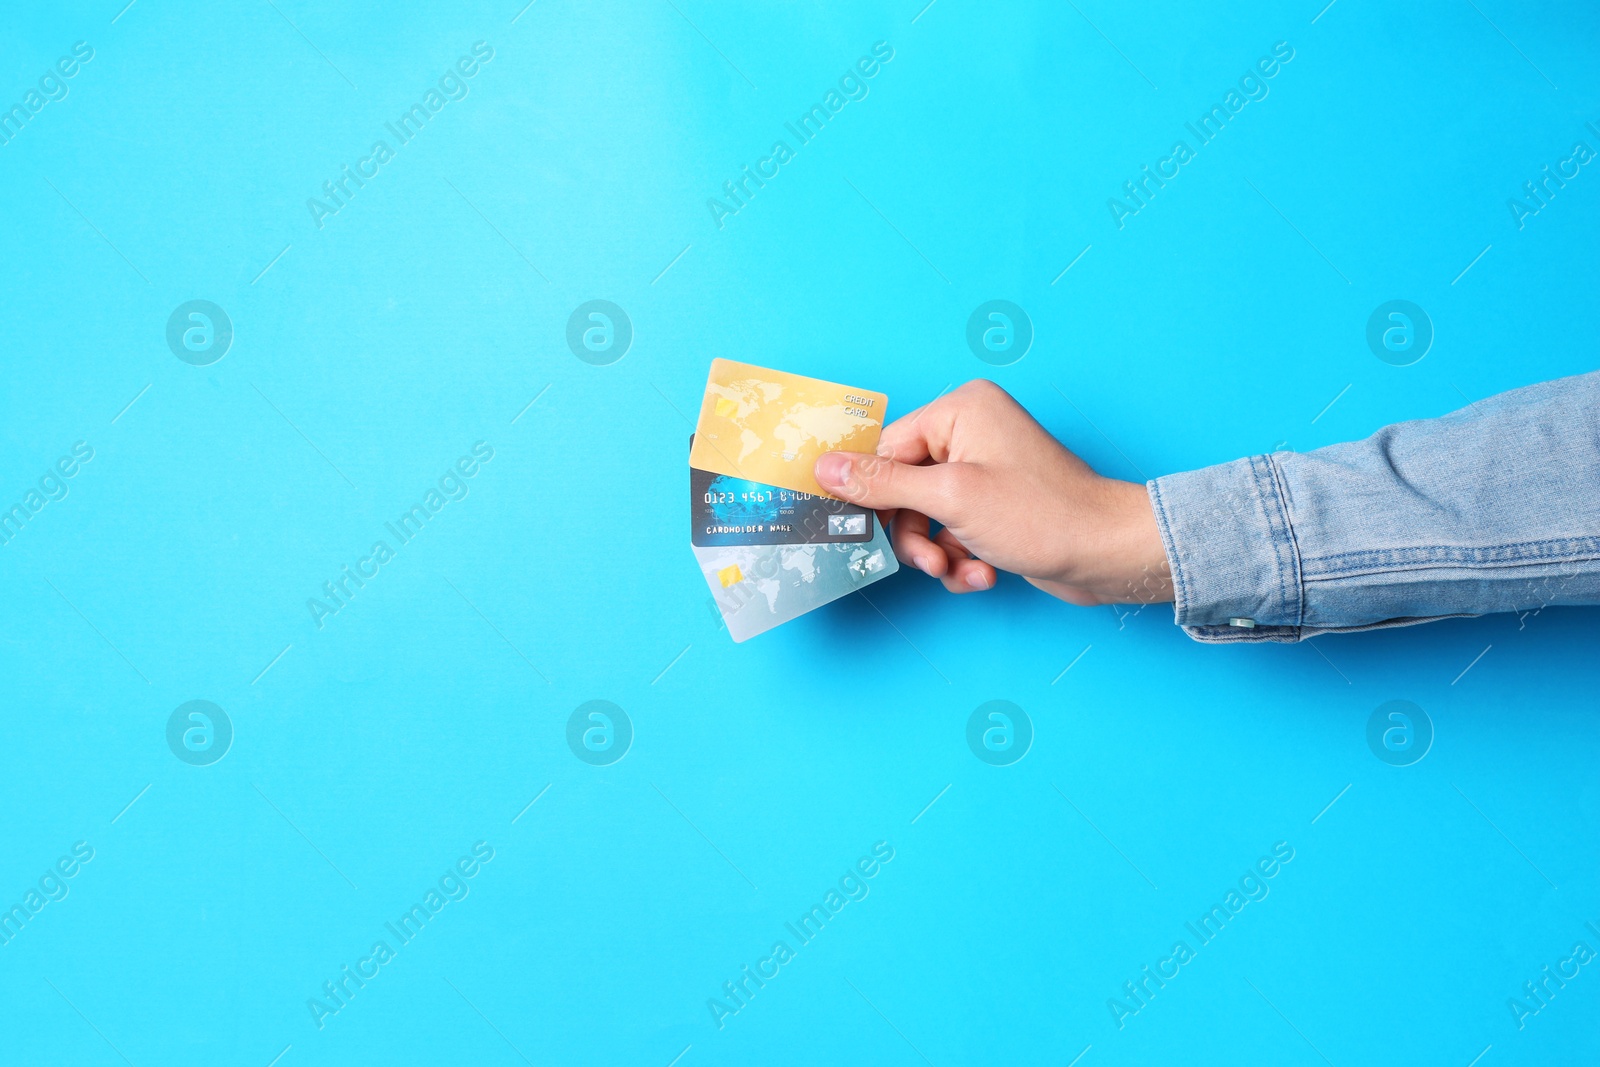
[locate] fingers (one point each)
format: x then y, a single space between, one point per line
915 466
922 435
942 556
929 432
913 546
963 574
969 576
878 482
916 472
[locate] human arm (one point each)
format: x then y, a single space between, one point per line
1492 508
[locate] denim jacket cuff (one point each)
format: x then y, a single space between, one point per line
1236 572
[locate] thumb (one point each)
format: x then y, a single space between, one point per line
880 483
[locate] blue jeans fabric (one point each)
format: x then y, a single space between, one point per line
1495 507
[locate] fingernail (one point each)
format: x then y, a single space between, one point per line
832 468
922 564
977 580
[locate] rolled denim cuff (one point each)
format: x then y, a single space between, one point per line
1235 565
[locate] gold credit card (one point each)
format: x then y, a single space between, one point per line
768 426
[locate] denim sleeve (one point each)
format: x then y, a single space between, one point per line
1495 507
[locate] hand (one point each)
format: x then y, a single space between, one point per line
1008 496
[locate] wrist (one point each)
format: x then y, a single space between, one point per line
1135 567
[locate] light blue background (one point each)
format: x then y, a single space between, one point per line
1222 320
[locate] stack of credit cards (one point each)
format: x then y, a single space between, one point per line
771 544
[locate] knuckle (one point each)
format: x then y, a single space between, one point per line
983 389
992 399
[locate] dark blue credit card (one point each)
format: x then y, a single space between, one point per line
732 511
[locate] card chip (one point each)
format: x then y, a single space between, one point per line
726 407
730 575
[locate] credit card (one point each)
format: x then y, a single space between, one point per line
725 510
768 426
757 587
